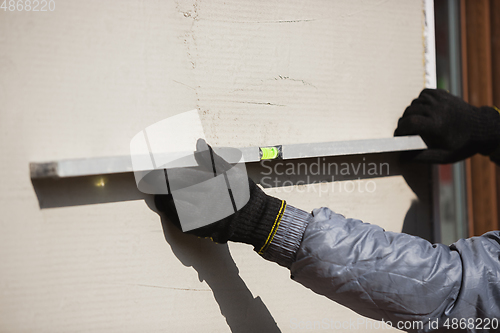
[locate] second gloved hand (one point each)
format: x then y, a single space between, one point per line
452 129
253 224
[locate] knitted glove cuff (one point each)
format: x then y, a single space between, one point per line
258 221
286 242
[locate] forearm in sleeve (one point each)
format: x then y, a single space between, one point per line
387 275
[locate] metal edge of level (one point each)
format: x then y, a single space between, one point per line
121 164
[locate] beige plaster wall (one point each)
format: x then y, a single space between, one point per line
81 80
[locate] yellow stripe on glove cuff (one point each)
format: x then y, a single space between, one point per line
274 228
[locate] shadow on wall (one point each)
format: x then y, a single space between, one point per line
77 191
213 262
419 218
64 192
216 267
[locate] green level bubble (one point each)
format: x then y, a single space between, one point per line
269 153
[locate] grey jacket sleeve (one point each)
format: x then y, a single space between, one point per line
392 276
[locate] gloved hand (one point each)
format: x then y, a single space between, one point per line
452 129
255 223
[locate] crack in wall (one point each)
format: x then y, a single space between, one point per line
280 77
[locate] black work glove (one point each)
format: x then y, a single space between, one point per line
452 129
255 223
